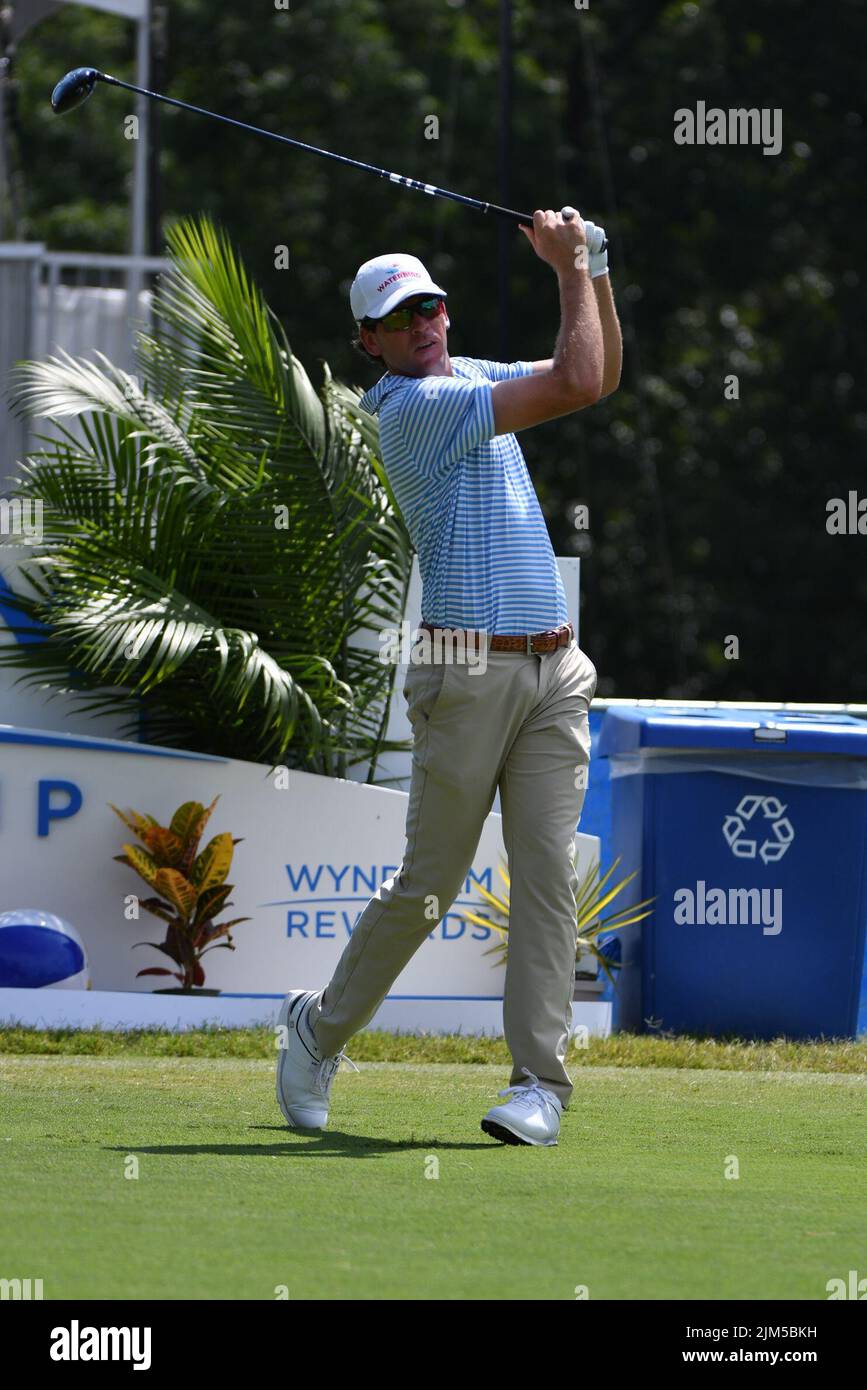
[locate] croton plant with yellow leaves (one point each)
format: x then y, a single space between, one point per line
190 886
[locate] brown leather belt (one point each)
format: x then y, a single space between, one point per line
533 644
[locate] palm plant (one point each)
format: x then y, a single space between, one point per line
218 538
593 895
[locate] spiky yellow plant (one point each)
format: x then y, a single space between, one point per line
591 899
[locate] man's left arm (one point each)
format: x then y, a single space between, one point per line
612 341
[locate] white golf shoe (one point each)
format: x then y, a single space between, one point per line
531 1117
304 1076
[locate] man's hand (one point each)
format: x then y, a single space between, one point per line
597 244
560 242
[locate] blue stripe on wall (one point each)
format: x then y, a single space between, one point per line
8 734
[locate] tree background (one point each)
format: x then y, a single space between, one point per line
707 515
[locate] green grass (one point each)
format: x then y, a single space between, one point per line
624 1049
230 1204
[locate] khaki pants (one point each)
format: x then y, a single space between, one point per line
522 726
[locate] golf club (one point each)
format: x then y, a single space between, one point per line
74 89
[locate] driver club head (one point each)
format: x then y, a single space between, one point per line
73 89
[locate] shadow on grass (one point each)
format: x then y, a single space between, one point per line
319 1144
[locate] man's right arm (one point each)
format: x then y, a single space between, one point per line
575 377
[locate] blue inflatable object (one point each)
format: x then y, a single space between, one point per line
39 950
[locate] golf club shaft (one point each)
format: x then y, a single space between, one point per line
476 203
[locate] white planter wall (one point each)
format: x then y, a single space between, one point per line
312 854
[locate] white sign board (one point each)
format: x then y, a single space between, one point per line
312 855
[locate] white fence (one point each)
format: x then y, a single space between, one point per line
64 299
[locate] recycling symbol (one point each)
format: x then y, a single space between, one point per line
769 836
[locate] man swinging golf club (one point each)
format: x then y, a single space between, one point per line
516 720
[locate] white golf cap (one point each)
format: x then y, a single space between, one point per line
381 284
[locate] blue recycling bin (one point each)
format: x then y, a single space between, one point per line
749 830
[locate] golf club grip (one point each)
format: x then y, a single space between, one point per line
525 219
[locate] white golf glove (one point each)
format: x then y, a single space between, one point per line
597 245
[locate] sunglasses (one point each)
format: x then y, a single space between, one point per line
400 319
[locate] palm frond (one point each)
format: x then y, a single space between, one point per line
221 538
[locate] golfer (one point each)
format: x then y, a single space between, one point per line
515 717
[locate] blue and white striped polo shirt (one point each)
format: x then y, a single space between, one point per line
484 554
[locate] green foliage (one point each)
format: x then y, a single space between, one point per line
706 515
215 548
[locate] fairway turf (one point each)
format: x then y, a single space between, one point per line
230 1204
